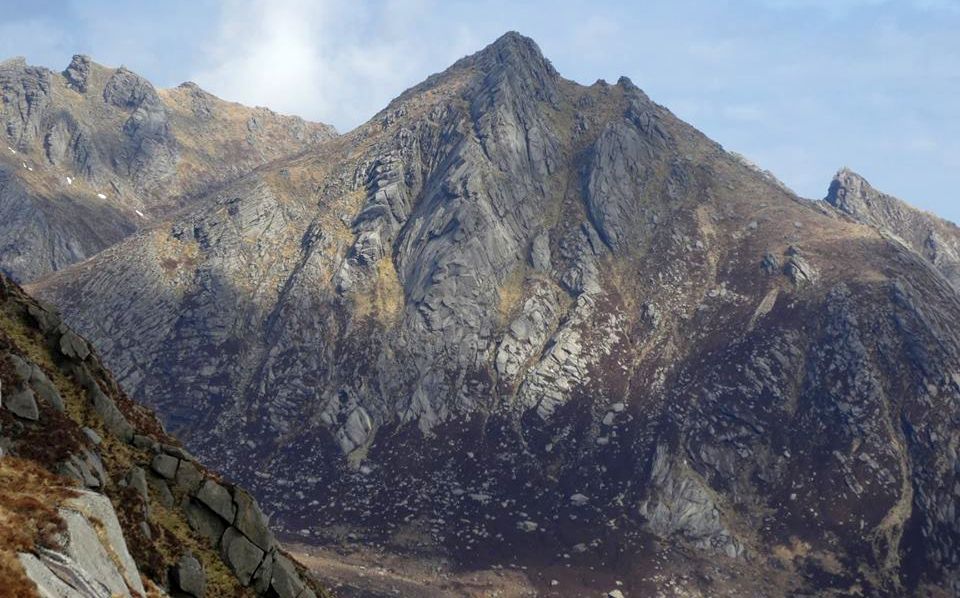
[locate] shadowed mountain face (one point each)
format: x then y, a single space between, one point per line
513 319
92 154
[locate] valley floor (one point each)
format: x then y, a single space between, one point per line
359 571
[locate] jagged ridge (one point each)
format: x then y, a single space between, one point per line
94 153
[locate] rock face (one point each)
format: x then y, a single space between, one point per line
82 516
936 239
508 289
93 154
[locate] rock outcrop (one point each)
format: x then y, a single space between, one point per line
936 239
96 499
93 154
507 289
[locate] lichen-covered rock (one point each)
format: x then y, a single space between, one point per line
45 390
218 499
241 554
21 402
189 477
251 521
286 581
165 465
73 346
204 521
95 541
59 576
188 576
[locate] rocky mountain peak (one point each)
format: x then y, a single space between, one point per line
515 50
851 193
513 61
78 71
936 239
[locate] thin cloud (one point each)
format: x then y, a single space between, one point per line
333 60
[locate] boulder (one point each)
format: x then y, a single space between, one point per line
45 390
57 575
251 521
800 271
99 549
137 479
218 499
242 556
188 576
21 368
72 346
770 264
45 316
264 574
113 419
286 581
22 403
204 521
162 490
176 451
188 477
165 465
540 253
145 442
92 435
527 526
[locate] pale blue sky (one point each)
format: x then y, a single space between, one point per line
802 87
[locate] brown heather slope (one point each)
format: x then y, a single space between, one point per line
515 321
68 435
92 154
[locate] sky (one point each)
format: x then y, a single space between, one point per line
801 87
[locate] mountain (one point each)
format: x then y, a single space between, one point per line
93 154
517 325
96 499
936 239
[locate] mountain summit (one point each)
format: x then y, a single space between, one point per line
934 238
513 320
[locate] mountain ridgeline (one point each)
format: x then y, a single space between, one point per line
94 154
531 322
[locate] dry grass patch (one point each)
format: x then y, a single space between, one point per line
29 518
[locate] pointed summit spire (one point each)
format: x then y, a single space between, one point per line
851 193
516 61
77 72
512 50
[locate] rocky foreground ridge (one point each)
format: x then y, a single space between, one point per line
517 321
96 500
92 154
